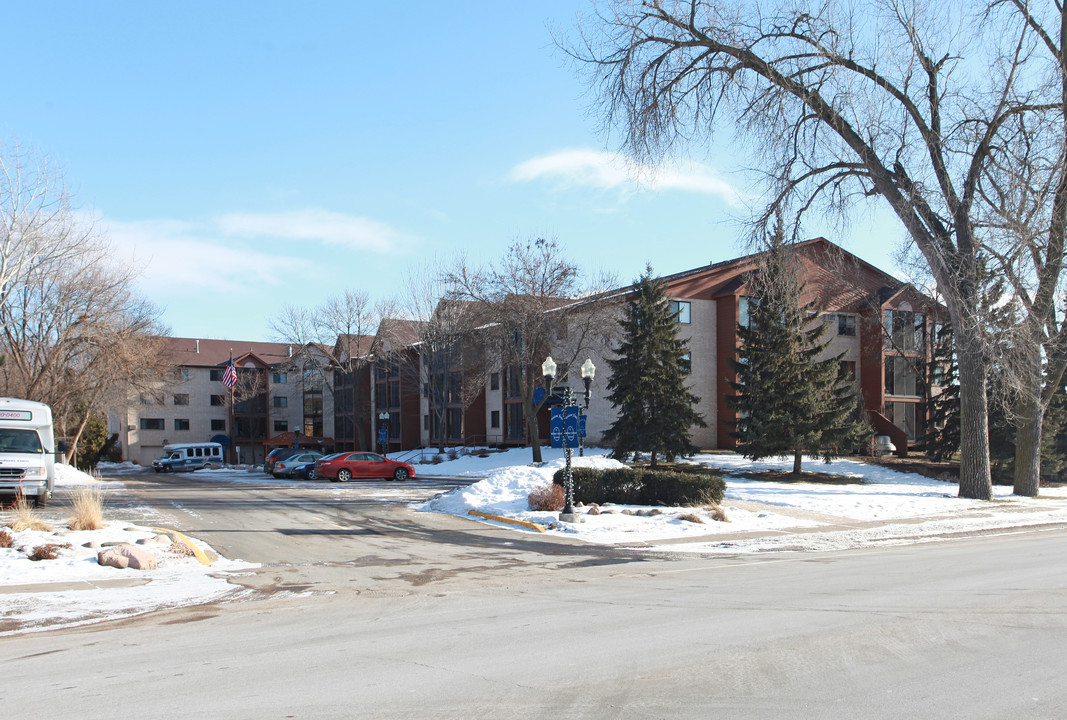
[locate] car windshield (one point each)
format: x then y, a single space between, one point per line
20 441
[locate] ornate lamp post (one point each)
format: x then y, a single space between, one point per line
548 370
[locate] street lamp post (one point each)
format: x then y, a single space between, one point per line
548 371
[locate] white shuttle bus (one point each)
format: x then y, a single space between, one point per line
27 450
188 456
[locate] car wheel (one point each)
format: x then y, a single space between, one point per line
344 475
400 474
312 475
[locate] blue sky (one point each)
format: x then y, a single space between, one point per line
249 156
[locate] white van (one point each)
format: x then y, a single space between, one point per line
188 456
27 450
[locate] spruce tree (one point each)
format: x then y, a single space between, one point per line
942 438
648 380
788 401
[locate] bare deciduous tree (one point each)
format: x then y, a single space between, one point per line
903 100
450 360
534 301
73 333
347 325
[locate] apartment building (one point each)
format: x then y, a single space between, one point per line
396 400
281 395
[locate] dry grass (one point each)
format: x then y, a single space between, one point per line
88 507
26 518
717 513
48 552
548 497
6 539
692 517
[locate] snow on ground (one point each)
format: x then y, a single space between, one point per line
883 506
80 590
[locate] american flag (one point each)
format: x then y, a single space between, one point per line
229 378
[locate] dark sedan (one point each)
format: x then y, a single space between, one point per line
342 468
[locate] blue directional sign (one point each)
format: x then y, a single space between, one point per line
382 439
556 427
570 426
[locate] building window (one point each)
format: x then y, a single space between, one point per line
745 306
846 325
280 426
900 377
216 375
902 414
494 419
905 330
181 424
218 400
494 381
151 399
181 375
279 378
281 401
181 399
151 423
680 309
687 363
218 425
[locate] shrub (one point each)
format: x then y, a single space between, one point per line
6 539
27 519
549 497
88 506
48 552
718 514
644 486
692 517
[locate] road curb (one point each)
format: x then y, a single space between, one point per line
197 552
509 521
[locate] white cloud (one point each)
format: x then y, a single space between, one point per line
611 171
177 255
330 228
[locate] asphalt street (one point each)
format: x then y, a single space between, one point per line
364 608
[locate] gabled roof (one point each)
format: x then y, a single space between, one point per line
194 352
835 277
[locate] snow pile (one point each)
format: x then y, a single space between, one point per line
881 505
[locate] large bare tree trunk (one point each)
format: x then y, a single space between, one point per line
975 478
1030 416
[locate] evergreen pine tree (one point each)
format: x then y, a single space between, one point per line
942 438
788 401
648 380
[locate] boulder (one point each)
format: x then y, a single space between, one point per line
127 556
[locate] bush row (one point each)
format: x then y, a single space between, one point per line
644 486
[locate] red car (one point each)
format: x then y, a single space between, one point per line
344 467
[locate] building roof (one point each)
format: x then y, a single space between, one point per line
193 352
834 277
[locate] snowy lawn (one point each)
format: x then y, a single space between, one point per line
179 580
881 505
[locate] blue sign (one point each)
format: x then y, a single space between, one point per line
556 427
581 426
382 438
570 426
565 426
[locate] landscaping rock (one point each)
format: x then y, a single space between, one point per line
126 555
594 509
